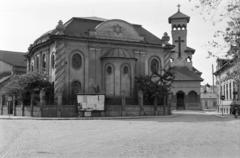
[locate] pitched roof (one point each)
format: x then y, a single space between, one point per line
185 74
118 53
178 15
13 58
80 27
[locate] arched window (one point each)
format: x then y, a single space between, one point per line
76 61
125 70
32 65
154 65
76 87
192 97
53 61
44 62
37 62
109 70
189 60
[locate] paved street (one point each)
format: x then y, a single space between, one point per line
183 135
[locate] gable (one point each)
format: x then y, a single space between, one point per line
116 29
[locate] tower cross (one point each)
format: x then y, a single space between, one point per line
179 46
178 7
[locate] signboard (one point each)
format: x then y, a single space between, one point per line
89 102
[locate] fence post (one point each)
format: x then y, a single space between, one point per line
155 105
123 110
22 108
59 103
14 105
31 103
169 102
42 101
140 101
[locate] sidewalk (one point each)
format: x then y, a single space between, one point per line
11 117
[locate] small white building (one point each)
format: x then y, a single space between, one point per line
209 97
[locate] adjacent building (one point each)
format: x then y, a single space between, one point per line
11 63
227 86
209 97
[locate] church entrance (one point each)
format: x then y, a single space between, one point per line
180 100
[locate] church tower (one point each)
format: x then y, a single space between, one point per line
182 55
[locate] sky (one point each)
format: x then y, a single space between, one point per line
24 21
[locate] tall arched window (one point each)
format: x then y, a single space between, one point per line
32 65
76 88
53 61
44 62
154 65
192 97
76 61
37 62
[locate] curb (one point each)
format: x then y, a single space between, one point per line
85 118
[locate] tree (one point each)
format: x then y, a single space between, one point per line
155 85
22 85
226 13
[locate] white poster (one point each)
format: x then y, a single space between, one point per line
91 102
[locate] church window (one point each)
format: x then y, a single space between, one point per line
125 70
189 59
154 66
76 61
37 63
109 70
193 97
76 88
32 65
44 61
53 61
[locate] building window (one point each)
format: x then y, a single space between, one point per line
227 91
230 90
125 70
53 61
76 61
76 88
109 70
193 97
44 62
37 63
154 66
32 65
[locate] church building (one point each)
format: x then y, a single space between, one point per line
186 85
94 55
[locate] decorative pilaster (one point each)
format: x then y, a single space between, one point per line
60 72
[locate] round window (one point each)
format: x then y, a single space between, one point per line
76 61
109 70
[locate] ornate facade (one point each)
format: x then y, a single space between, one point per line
91 55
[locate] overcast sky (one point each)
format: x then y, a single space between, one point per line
22 21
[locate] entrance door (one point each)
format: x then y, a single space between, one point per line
180 100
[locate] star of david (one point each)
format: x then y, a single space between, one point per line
117 29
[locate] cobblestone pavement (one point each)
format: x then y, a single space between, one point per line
184 135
